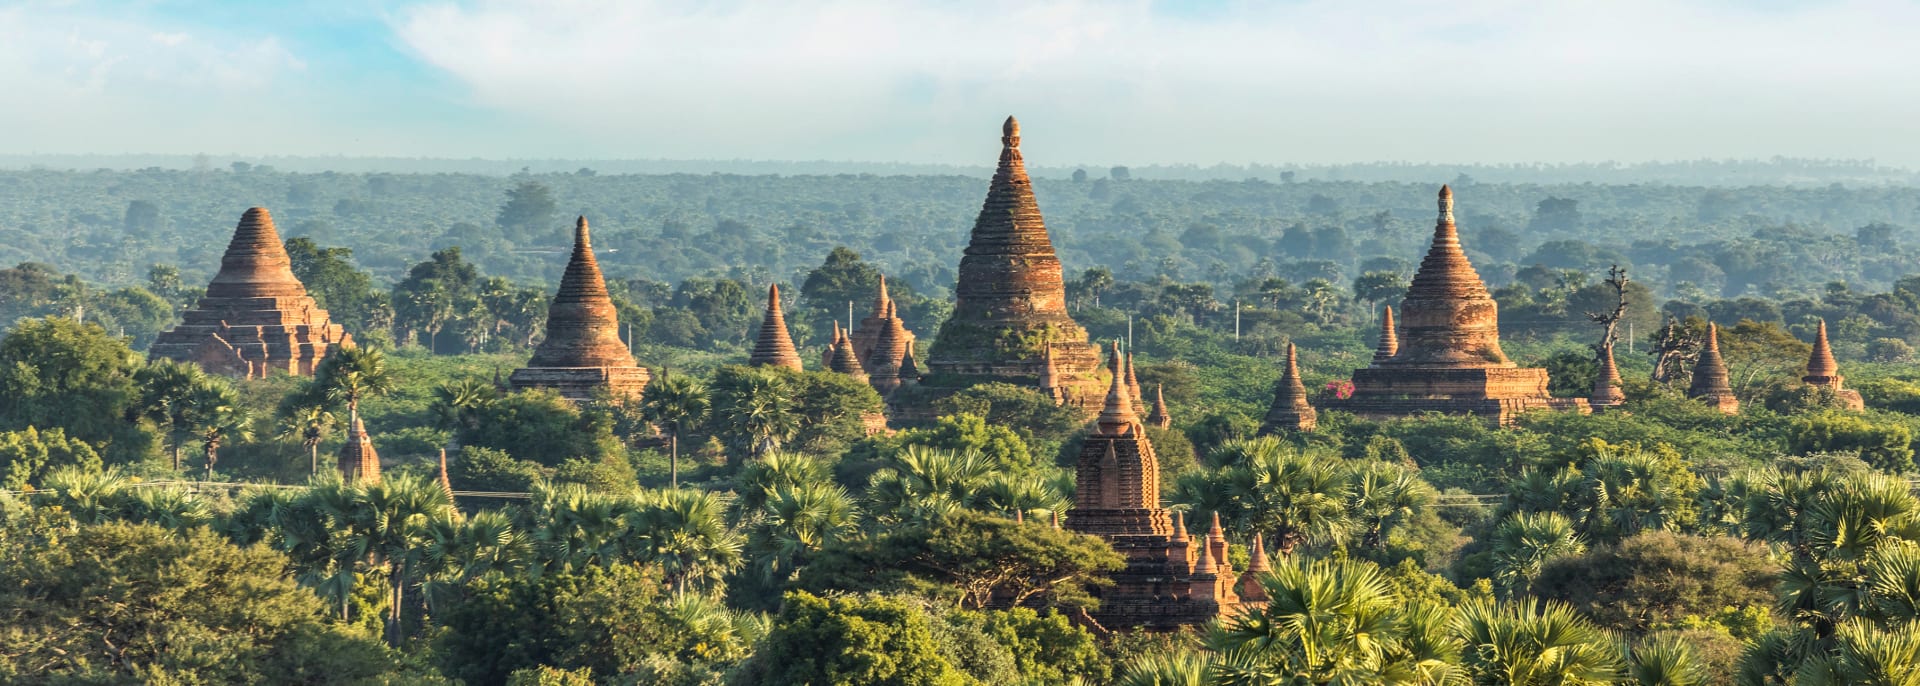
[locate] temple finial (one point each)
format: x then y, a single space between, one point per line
1117 417
1389 339
1011 129
1446 205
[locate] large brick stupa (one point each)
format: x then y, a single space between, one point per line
1010 306
1448 358
582 353
256 317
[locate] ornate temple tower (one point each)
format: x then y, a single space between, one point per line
841 358
359 463
582 352
1389 339
885 314
1159 417
256 317
1448 359
1290 411
1606 384
1824 372
1711 384
1117 497
774 346
1010 306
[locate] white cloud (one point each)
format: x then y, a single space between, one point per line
1317 80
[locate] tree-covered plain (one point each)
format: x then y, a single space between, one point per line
738 525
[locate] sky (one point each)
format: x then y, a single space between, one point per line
1133 82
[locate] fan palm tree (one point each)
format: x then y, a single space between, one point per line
166 391
310 424
350 375
463 548
1534 644
672 403
457 407
391 524
576 529
923 481
88 496
1170 668
1666 661
1300 499
174 509
761 414
796 521
685 532
1864 654
1525 542
219 417
1381 494
1327 622
758 477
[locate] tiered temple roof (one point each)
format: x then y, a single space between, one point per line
774 346
1290 411
1448 359
1710 380
1824 372
256 317
582 352
841 358
1010 305
1167 582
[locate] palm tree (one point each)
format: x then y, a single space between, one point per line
1534 644
796 521
88 496
576 529
685 532
463 548
1170 668
1327 622
673 402
391 524
1866 654
1666 661
310 424
760 476
174 509
457 407
923 482
349 375
166 389
1381 494
760 414
219 417
1525 542
1300 499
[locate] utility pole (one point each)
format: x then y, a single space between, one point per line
1129 331
1236 320
1629 337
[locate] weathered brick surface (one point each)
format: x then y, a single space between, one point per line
582 352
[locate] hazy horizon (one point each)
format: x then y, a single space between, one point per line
921 82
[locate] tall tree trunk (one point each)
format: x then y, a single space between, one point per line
314 469
673 458
393 613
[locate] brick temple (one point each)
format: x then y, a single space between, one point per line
256 317
1447 358
582 353
1009 321
1170 580
1823 372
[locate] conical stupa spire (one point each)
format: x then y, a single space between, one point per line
1389 340
1290 410
1606 384
1710 379
1257 560
774 347
1179 525
583 329
909 369
1204 567
842 359
1133 384
1159 416
1117 418
359 462
256 264
1450 320
883 303
1821 366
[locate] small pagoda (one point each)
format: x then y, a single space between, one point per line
885 315
256 317
1168 581
1711 384
582 354
1448 359
1009 320
773 347
1823 372
1290 411
359 462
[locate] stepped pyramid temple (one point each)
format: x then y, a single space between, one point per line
1823 372
1448 357
256 317
1290 412
1168 581
774 345
1010 307
1710 380
885 315
582 352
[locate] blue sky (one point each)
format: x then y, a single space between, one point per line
1138 82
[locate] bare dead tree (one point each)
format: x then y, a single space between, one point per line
1610 321
1673 351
